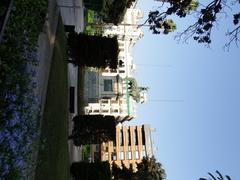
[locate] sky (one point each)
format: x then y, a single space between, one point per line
193 101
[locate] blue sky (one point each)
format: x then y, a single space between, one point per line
194 102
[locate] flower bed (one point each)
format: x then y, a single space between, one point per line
19 108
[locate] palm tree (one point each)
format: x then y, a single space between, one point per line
218 177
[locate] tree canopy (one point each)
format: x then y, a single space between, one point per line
122 172
111 11
207 17
93 51
93 129
147 169
134 89
91 171
150 169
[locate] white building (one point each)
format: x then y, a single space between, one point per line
107 91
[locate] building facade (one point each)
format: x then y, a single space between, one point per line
106 91
131 145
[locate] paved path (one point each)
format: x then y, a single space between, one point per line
72 12
46 44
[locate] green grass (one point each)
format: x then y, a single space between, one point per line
81 72
53 158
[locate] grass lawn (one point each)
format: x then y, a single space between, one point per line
81 72
53 158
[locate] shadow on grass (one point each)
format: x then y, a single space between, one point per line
81 72
53 159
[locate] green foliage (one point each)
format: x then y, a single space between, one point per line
93 129
93 25
218 177
111 11
95 5
150 169
206 19
123 172
19 109
3 8
91 171
93 51
18 48
134 89
85 152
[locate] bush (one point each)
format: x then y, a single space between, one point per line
93 51
93 129
90 171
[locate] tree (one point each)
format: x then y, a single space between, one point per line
149 169
91 171
111 11
218 177
93 129
135 90
123 172
206 19
93 51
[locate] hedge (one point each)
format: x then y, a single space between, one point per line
90 171
93 51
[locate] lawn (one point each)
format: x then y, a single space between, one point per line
53 158
81 72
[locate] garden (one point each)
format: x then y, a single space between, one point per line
19 107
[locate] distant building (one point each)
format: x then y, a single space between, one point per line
131 145
107 90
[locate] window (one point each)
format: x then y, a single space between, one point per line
121 155
136 154
129 155
106 155
113 70
114 157
108 85
105 101
144 153
115 110
105 111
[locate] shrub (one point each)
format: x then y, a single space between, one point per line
93 129
93 51
91 171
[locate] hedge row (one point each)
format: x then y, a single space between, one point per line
90 171
93 51
93 129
